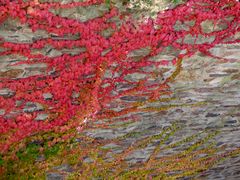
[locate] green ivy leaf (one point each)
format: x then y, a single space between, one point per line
176 1
1 160
108 3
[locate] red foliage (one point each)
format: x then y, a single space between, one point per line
71 70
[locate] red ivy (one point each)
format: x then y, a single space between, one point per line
71 71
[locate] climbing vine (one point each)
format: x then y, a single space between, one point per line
85 86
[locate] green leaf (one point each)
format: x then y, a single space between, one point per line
1 160
176 1
52 150
108 3
30 153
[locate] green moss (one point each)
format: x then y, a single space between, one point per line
108 3
51 151
73 159
10 170
29 154
1 160
140 174
131 135
72 151
176 1
185 140
201 142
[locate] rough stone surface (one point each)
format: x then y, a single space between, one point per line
213 82
31 107
83 13
41 117
6 93
205 95
54 176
